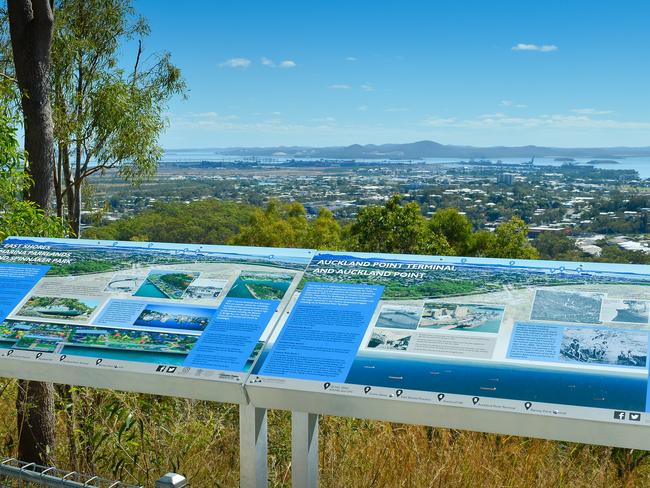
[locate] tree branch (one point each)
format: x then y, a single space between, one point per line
137 61
93 170
8 77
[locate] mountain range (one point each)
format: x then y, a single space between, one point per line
430 149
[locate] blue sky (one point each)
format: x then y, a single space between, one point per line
266 73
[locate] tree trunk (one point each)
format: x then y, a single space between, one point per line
58 173
35 406
30 24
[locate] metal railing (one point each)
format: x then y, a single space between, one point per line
15 473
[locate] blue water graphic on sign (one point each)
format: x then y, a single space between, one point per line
514 382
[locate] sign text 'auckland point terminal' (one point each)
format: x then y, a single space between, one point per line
534 337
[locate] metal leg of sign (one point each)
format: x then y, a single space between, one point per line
253 447
304 449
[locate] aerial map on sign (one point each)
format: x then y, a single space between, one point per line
141 306
538 337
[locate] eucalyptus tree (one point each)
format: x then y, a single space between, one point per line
396 228
84 112
108 114
21 216
31 24
286 225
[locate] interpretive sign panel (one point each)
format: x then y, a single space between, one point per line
536 338
539 348
140 316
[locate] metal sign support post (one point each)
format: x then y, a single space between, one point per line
253 447
304 449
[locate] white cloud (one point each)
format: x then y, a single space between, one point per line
439 121
500 120
544 48
367 87
213 122
340 86
236 63
204 120
351 59
286 64
208 129
510 103
591 111
275 123
396 109
362 108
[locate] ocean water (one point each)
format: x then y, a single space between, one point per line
491 325
639 164
598 390
120 355
239 289
149 290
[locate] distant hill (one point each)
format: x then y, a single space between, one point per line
431 149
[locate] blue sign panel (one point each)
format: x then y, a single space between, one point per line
16 280
323 332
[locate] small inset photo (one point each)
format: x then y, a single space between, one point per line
626 311
567 306
74 309
261 285
133 340
608 347
175 317
399 317
462 316
166 284
36 336
389 340
203 288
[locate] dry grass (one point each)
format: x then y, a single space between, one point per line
137 438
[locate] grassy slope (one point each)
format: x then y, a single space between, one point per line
139 437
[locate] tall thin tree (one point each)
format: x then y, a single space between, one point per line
31 24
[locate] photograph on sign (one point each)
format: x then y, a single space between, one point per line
143 306
533 337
